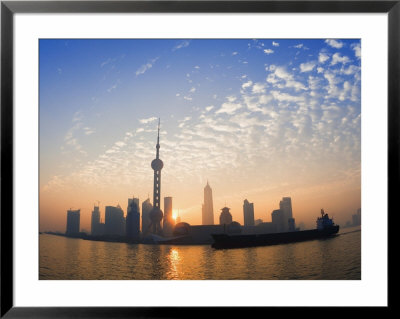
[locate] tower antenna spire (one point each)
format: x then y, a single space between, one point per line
158 135
158 139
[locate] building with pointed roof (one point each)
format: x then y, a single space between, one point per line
207 207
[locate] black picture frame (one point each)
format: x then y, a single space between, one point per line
9 8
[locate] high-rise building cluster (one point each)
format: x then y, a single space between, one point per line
282 218
116 223
131 225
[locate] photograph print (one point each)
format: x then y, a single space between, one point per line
199 159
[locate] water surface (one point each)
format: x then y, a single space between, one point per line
334 258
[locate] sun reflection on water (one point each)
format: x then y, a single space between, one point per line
174 260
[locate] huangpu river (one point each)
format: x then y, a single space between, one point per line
335 258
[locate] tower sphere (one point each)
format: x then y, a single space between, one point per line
156 215
157 164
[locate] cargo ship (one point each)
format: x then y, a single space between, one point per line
325 228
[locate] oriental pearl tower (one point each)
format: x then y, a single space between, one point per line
156 214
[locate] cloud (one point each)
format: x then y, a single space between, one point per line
70 138
181 45
332 81
78 116
105 62
148 120
334 43
258 88
235 53
337 58
323 57
307 67
298 46
286 97
357 50
281 72
268 51
229 108
339 89
271 78
120 144
88 131
113 87
146 67
247 84
352 69
275 44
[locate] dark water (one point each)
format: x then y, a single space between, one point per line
334 258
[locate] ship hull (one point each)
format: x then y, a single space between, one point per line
222 241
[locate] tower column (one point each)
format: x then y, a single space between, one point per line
156 214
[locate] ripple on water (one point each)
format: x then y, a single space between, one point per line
64 258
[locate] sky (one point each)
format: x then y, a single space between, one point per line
259 119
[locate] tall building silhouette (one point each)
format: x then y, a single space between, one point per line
278 220
248 213
156 214
95 221
133 219
115 221
207 208
146 209
168 223
225 217
130 200
285 205
357 218
73 222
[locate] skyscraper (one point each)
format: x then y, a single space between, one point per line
168 224
225 217
285 205
156 213
357 218
207 208
73 222
146 209
115 221
133 219
95 221
248 212
130 200
278 220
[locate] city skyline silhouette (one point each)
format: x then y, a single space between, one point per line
260 119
